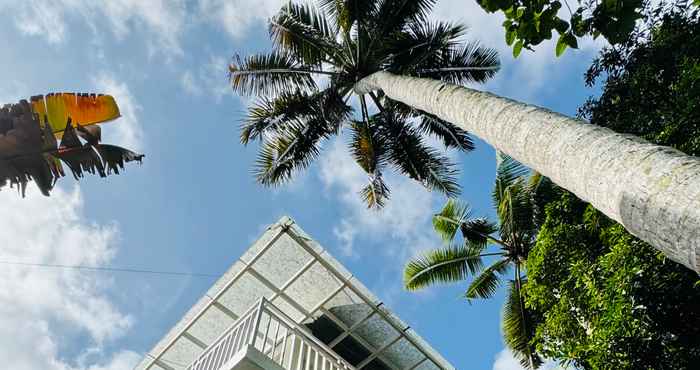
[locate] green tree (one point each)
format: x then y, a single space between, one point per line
305 83
603 298
528 23
509 241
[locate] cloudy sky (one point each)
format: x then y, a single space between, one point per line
193 205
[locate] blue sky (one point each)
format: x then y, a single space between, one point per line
193 205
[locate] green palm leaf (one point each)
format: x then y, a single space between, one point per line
518 329
301 30
485 285
409 155
295 144
450 135
421 43
471 63
478 230
448 221
346 12
269 74
445 265
269 114
393 15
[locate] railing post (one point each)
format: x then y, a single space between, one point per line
258 317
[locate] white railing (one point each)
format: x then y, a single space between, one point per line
267 329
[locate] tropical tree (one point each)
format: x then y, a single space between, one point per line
607 299
650 189
507 242
29 133
304 86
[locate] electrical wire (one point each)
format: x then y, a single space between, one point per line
109 269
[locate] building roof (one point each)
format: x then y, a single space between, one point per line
303 280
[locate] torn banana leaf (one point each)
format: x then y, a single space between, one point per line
29 149
82 108
114 157
79 158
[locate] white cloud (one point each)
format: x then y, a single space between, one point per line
189 83
505 361
209 79
162 19
237 17
43 309
523 78
405 218
125 131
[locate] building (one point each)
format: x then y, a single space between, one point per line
288 304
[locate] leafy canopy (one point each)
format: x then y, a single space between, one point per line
304 88
528 23
603 298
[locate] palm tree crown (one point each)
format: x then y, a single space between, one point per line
305 83
515 200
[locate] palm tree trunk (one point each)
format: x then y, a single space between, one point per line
653 191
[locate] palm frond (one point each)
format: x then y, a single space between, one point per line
304 32
369 151
346 12
485 285
542 190
444 265
515 213
450 135
269 74
268 114
450 219
421 43
508 171
470 63
478 230
393 15
295 144
518 329
409 155
376 192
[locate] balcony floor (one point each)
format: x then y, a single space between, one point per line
249 358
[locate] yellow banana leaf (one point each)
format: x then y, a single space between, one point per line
83 109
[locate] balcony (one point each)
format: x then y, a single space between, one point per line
317 311
265 338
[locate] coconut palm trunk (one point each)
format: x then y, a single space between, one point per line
653 191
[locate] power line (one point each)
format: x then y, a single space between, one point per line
110 269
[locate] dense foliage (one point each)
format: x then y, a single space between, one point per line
603 298
606 299
528 22
652 85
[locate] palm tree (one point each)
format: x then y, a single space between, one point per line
650 189
319 54
509 242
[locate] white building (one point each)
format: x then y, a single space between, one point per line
288 304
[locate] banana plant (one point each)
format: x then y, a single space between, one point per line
38 136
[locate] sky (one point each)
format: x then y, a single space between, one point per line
193 206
